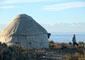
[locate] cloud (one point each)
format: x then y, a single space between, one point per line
24 1
65 27
64 6
6 7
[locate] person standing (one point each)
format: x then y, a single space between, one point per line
74 40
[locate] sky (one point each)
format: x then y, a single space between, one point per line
54 15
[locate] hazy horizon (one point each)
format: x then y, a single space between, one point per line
64 28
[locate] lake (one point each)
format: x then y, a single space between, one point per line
67 37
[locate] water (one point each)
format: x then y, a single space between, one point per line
67 37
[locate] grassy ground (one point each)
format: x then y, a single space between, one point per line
57 51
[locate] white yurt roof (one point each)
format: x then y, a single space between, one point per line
23 25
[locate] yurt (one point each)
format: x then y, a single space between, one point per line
25 31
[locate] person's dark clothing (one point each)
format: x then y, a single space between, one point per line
74 40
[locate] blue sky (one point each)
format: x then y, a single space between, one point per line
54 15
